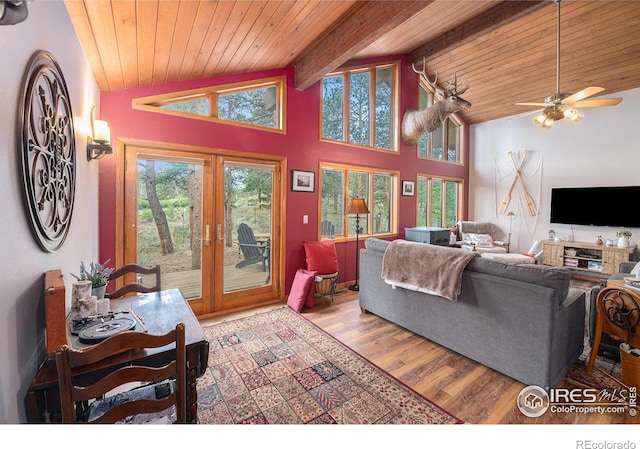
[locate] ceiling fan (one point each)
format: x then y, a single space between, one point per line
562 105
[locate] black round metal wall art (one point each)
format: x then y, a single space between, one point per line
48 152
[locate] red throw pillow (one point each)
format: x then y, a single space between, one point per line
321 256
299 289
310 300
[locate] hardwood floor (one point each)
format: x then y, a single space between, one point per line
473 393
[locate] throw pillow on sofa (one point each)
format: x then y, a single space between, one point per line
482 240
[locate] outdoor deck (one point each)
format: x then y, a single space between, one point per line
234 279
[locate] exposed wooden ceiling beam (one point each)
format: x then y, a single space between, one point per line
491 19
366 22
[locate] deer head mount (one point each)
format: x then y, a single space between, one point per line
446 101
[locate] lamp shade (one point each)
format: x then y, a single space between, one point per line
357 206
101 131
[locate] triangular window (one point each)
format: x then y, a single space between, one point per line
254 104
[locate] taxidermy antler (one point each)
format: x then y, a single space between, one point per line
446 101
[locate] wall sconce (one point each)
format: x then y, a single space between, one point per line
99 142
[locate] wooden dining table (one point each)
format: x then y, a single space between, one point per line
159 312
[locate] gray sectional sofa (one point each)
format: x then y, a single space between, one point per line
521 320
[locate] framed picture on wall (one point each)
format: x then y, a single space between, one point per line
303 181
408 188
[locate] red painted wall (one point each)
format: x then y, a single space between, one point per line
301 145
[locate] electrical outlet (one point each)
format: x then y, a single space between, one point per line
305 219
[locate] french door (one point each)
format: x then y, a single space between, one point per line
184 209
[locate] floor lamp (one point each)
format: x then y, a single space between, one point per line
357 206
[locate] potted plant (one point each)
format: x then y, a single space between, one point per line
623 238
98 274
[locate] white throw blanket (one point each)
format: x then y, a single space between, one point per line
432 269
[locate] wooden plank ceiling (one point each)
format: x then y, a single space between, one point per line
506 50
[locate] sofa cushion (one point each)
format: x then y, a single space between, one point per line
556 278
483 240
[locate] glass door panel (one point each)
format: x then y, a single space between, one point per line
169 226
248 196
208 221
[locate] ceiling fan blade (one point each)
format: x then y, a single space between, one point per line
597 102
584 93
540 105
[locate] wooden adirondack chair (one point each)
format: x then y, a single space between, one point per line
252 251
328 229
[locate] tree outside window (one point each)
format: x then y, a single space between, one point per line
340 184
438 201
359 106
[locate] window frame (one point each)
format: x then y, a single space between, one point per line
368 222
444 130
395 105
154 103
443 206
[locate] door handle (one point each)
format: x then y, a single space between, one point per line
219 233
206 235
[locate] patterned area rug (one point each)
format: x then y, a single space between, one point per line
277 367
606 374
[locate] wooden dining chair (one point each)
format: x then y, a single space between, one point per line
137 286
158 389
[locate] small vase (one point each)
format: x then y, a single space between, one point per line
98 292
79 290
623 242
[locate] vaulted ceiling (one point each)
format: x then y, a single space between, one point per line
506 50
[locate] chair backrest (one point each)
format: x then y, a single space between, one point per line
476 227
73 395
248 243
327 229
135 286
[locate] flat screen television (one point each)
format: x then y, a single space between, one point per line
596 206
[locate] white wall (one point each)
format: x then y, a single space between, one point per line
603 149
22 262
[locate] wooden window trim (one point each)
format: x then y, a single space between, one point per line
395 108
444 180
394 207
154 103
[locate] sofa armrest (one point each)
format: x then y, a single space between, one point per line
573 295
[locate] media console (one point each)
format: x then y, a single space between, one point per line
587 257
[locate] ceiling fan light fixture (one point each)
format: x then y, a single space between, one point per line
573 115
543 121
539 119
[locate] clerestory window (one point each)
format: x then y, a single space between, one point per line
257 104
359 106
